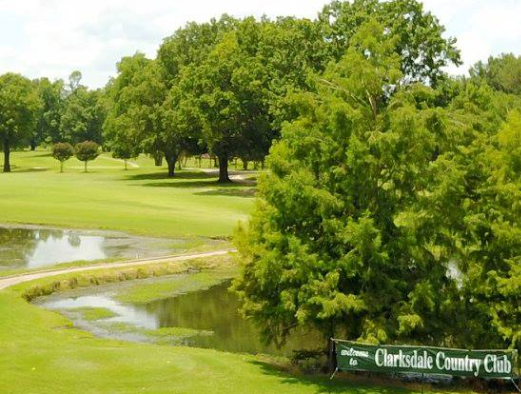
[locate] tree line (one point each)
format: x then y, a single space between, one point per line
36 112
223 87
219 87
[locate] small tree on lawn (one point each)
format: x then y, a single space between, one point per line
87 151
62 152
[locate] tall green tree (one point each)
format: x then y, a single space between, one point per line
137 114
19 106
123 127
502 73
420 41
83 113
342 239
491 245
49 116
231 101
178 58
180 131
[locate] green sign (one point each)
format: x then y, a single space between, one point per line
353 356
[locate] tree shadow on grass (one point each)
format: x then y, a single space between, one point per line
324 385
164 175
19 170
235 192
45 154
238 187
232 188
181 184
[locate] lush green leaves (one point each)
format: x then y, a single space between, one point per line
390 213
19 105
83 113
87 151
62 152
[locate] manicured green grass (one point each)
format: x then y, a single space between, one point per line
41 353
141 200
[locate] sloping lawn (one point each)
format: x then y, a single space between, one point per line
40 353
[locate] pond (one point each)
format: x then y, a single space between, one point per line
213 312
31 247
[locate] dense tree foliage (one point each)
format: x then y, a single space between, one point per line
223 86
390 211
49 116
19 105
135 95
69 112
83 113
418 34
502 73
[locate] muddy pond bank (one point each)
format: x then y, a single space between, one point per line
34 247
194 310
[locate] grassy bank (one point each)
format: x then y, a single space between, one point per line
141 200
47 356
41 353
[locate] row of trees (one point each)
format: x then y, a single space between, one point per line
223 86
392 209
41 111
84 151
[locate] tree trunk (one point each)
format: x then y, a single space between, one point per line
33 145
61 166
126 164
245 165
7 156
86 166
223 169
171 160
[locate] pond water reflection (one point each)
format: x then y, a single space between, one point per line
35 247
214 309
